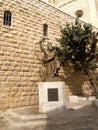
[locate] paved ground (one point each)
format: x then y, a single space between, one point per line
85 118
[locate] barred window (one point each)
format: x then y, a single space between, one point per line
7 18
45 30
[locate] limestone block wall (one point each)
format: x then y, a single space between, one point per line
93 12
97 6
73 6
62 2
89 8
19 67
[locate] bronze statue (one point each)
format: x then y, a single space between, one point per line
50 63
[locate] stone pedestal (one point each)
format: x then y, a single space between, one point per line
51 96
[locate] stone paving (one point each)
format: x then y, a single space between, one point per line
85 118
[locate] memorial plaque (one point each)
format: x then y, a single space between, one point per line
53 94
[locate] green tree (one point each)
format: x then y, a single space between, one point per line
78 48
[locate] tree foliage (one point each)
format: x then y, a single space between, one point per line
78 45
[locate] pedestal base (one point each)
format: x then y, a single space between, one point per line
51 96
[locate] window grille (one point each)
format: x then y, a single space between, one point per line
7 18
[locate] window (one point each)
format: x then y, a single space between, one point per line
79 13
7 18
45 30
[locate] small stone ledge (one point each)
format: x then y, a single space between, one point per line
76 99
77 102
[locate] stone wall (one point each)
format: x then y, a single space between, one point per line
97 6
19 67
89 8
72 7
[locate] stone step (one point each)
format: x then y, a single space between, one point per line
17 122
25 117
33 115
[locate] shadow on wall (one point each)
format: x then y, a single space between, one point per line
76 83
